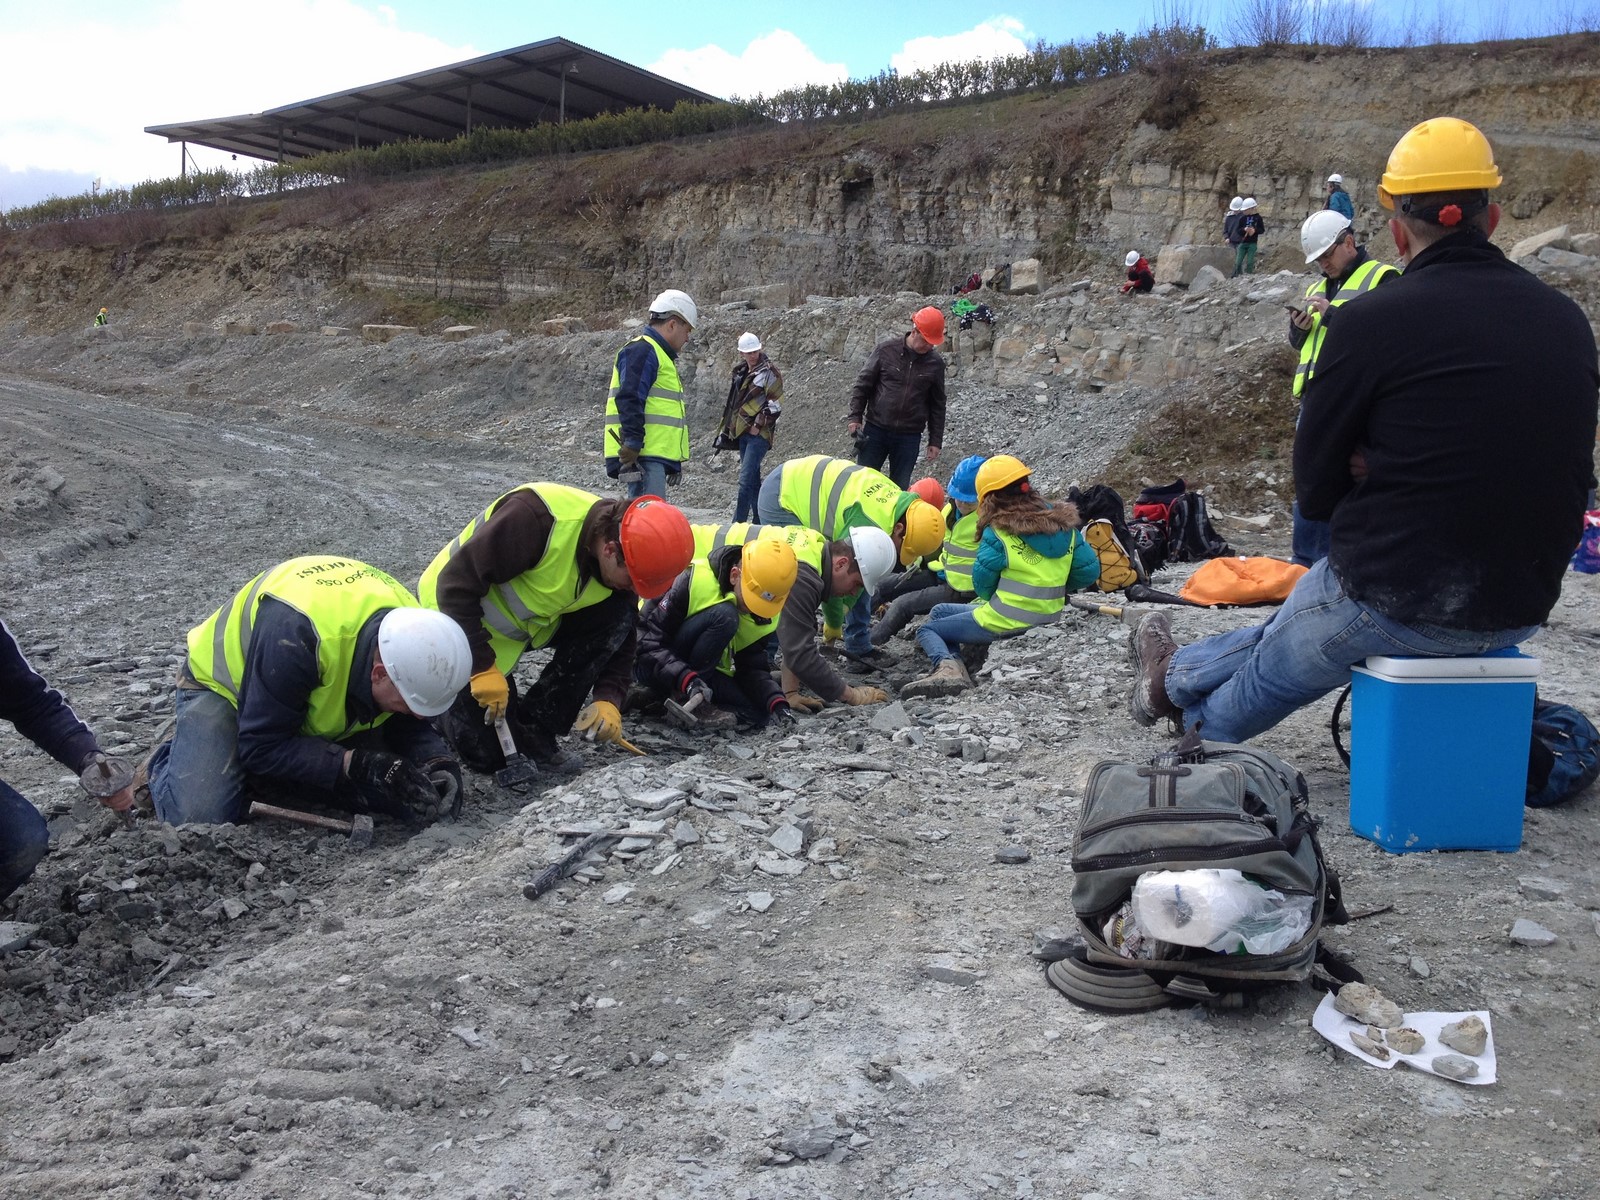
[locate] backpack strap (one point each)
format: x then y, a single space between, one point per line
1333 725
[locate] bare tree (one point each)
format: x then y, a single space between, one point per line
1350 24
1266 22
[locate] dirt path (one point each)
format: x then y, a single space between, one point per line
405 1023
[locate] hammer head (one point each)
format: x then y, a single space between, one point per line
360 831
681 716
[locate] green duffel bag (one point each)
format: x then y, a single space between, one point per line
1201 805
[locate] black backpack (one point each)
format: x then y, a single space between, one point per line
1148 539
1200 805
1190 535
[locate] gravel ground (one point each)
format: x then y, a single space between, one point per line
262 1012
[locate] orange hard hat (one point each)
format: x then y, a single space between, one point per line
657 545
931 490
930 324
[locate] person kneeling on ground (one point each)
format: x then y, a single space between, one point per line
862 559
709 635
322 672
1030 556
44 718
946 579
1140 277
551 565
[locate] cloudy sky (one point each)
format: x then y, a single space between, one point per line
78 83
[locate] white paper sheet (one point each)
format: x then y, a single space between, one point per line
1337 1028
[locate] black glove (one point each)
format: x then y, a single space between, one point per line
388 783
697 687
783 716
675 479
445 774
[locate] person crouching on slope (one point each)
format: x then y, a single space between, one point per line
709 635
1030 555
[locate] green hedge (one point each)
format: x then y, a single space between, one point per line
1044 66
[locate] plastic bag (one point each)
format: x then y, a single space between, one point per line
1221 910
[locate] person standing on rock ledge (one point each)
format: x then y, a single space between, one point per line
1339 199
899 392
1347 273
44 718
1248 232
646 431
1428 396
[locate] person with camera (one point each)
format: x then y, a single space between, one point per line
755 398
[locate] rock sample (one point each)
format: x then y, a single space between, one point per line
1468 1036
1368 1005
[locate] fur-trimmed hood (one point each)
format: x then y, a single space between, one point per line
1034 517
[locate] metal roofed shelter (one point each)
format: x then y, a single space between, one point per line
543 82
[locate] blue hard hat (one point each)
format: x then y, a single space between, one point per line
963 485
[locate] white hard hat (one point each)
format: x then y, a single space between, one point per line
673 303
748 342
1236 204
1249 203
1336 178
427 657
1320 231
875 555
1133 257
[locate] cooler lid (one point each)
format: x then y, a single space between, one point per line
1489 668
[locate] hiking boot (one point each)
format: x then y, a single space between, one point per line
1150 649
546 753
948 678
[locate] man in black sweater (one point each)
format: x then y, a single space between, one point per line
1446 435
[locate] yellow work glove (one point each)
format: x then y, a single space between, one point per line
792 693
854 696
490 689
831 633
603 719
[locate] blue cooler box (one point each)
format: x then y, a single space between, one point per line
1439 751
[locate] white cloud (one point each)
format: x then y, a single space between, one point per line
106 75
994 38
772 62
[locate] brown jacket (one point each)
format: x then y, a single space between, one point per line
900 391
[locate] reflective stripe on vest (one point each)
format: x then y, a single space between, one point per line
710 538
1365 277
337 595
818 489
526 611
961 552
1031 591
666 426
705 593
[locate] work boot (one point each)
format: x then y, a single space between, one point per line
545 751
710 718
948 678
1150 650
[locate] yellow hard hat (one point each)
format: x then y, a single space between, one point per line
766 573
105 310
1000 471
1445 154
924 531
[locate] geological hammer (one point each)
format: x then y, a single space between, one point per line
359 826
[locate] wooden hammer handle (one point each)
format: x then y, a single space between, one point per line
257 809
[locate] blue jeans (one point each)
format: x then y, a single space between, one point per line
769 508
196 776
1238 684
23 839
874 445
953 624
654 482
1310 539
752 449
